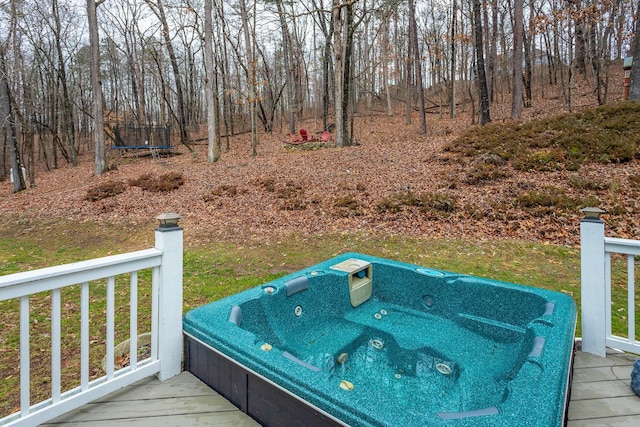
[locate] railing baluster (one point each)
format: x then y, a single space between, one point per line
84 336
25 377
631 298
55 345
155 301
133 320
607 292
110 325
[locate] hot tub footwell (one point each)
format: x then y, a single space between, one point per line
252 394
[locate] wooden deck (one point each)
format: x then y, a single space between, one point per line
180 401
600 396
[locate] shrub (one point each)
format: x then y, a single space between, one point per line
219 191
426 202
268 184
289 190
438 202
293 204
484 172
396 201
552 198
584 183
166 182
347 201
606 134
105 190
388 204
138 182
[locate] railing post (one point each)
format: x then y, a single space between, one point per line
592 271
169 240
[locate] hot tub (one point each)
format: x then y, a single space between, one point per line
364 341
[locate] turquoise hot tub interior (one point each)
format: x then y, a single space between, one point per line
369 341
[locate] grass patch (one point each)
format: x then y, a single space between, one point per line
607 134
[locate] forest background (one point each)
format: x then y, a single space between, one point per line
148 66
226 83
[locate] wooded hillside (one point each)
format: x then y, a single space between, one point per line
265 66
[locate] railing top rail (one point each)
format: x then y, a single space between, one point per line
30 282
621 246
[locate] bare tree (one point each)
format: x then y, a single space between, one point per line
213 146
290 104
417 63
452 74
100 164
7 120
67 110
327 28
518 34
340 27
158 10
485 116
385 53
251 77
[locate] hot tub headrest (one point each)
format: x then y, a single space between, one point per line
296 285
236 315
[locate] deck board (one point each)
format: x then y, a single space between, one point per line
180 401
600 396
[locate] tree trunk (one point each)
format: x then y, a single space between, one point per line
418 67
408 102
7 119
634 84
100 165
338 64
347 73
581 44
385 64
485 116
452 76
491 46
595 58
213 149
326 76
518 35
288 65
227 106
528 45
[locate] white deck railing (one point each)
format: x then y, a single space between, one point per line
596 295
165 263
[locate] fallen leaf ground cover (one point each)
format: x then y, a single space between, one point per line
395 181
